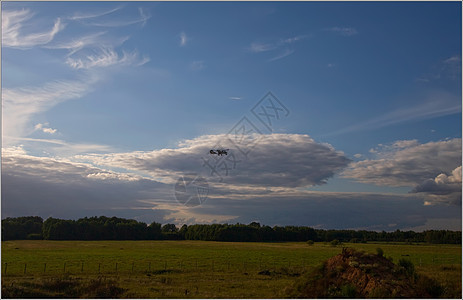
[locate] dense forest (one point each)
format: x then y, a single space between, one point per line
104 228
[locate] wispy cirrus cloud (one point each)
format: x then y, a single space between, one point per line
89 15
13 36
344 31
76 44
281 45
437 105
143 17
447 69
20 104
261 47
183 39
285 53
107 57
197 65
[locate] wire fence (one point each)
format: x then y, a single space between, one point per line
162 266
147 266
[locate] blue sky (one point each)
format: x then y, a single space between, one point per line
107 104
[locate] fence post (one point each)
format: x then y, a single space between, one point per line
6 266
64 268
44 267
25 267
99 265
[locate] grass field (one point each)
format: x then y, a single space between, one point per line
193 269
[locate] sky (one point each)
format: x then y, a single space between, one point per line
336 115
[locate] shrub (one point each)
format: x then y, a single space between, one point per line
310 242
334 243
379 252
34 236
407 266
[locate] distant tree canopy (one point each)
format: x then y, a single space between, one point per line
22 228
104 228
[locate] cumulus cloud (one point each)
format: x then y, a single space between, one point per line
407 163
277 160
442 189
44 129
60 187
65 188
13 36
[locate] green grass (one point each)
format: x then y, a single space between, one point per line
198 269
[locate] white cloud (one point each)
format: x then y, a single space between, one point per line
436 105
68 189
56 147
294 39
284 47
345 31
442 189
277 160
12 27
235 98
260 47
407 163
79 43
80 16
122 21
287 52
183 39
197 65
42 128
20 104
447 69
107 57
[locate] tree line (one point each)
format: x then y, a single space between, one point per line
105 228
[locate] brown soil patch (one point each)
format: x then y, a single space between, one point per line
355 274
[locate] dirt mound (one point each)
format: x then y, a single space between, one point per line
355 274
